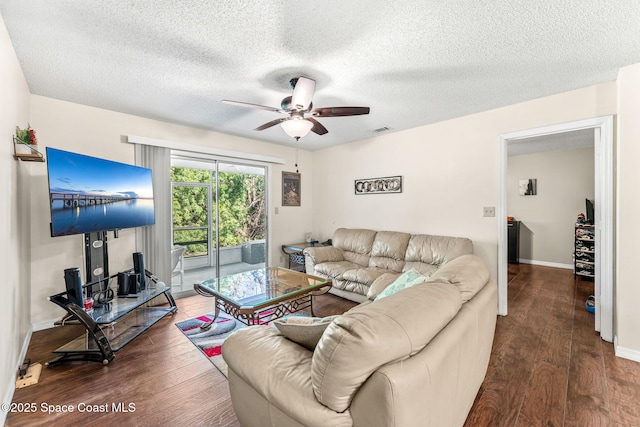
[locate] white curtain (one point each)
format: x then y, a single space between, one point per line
155 241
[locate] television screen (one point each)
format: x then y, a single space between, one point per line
590 212
89 194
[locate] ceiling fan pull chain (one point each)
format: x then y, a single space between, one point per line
297 171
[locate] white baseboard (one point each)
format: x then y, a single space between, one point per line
546 263
625 353
47 324
12 386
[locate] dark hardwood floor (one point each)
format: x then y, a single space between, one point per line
169 381
548 367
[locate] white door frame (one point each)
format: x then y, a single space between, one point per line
603 165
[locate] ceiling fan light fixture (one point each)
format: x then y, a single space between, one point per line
299 104
297 128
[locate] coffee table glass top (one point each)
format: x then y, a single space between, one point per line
263 286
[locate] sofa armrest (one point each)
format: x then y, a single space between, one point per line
317 255
437 386
266 373
380 284
468 273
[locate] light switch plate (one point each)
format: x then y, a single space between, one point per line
489 211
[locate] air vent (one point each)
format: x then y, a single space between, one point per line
380 130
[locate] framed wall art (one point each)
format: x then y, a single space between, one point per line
388 184
291 190
528 187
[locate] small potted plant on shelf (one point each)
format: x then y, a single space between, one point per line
26 141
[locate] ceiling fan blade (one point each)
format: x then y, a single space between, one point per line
317 126
249 105
339 111
303 93
271 123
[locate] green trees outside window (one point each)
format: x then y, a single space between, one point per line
241 204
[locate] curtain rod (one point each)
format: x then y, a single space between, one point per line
135 139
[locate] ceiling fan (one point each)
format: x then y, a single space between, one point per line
300 112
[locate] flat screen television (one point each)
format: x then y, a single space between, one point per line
590 217
88 194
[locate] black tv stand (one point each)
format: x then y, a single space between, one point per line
111 326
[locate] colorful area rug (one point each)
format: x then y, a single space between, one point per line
210 342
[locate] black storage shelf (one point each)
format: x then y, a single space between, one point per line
584 254
112 326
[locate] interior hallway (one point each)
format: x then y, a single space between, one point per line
548 365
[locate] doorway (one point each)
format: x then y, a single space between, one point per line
218 217
603 166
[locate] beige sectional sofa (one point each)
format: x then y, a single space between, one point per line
414 358
363 261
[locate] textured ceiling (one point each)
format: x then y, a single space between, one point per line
412 62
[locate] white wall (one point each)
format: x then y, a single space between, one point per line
449 169
15 187
564 179
100 133
627 291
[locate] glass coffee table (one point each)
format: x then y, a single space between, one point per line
258 296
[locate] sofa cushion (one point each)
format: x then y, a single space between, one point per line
436 249
335 270
303 330
371 335
366 275
356 244
404 281
347 271
467 273
388 250
353 288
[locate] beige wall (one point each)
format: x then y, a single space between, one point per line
450 170
15 186
97 132
627 291
564 179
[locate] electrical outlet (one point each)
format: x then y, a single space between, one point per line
489 211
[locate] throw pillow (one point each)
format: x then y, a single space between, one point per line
405 280
305 331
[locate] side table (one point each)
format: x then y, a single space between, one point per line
295 255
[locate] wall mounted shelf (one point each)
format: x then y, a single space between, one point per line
33 155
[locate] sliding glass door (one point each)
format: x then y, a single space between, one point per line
191 201
219 217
